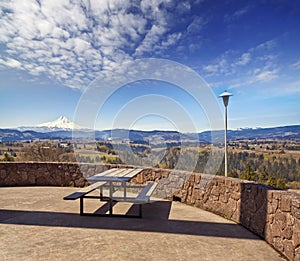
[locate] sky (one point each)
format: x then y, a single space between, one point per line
61 57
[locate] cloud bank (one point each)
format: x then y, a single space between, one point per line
72 41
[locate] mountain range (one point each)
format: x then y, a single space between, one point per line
63 128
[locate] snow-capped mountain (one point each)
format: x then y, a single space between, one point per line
62 123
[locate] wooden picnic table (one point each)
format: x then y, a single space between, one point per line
115 175
112 179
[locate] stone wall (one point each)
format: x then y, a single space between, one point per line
48 174
272 214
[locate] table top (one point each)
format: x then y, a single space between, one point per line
115 174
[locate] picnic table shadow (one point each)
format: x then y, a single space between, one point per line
155 219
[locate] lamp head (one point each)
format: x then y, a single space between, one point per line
225 95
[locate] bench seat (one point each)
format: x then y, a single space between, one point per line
82 192
145 194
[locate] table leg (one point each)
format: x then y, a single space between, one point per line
81 206
101 193
110 189
110 206
124 186
110 198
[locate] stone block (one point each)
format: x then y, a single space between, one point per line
270 218
222 189
192 178
269 195
224 197
31 179
288 249
140 178
235 195
296 233
277 195
193 200
236 215
253 192
258 223
214 198
24 176
297 254
58 180
296 202
270 209
286 203
84 167
261 202
280 220
230 207
251 206
278 244
2 174
215 191
274 204
43 181
190 190
238 187
296 212
90 172
220 179
289 219
268 234
287 232
276 230
197 178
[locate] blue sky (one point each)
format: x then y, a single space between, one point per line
52 51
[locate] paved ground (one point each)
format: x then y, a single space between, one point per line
37 224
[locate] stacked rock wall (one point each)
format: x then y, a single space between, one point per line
272 214
47 174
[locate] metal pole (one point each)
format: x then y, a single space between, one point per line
226 174
225 95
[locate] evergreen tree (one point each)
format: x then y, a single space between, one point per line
7 157
271 180
280 183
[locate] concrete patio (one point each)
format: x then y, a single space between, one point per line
37 224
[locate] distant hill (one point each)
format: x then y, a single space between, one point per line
284 132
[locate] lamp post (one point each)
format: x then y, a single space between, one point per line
225 95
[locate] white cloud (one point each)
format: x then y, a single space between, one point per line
244 59
211 68
266 45
296 65
223 65
265 76
10 63
151 40
237 14
236 69
258 75
196 25
183 7
73 41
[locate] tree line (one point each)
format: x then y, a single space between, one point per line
276 170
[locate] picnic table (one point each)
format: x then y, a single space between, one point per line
116 181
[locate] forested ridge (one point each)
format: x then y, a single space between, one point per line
263 162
